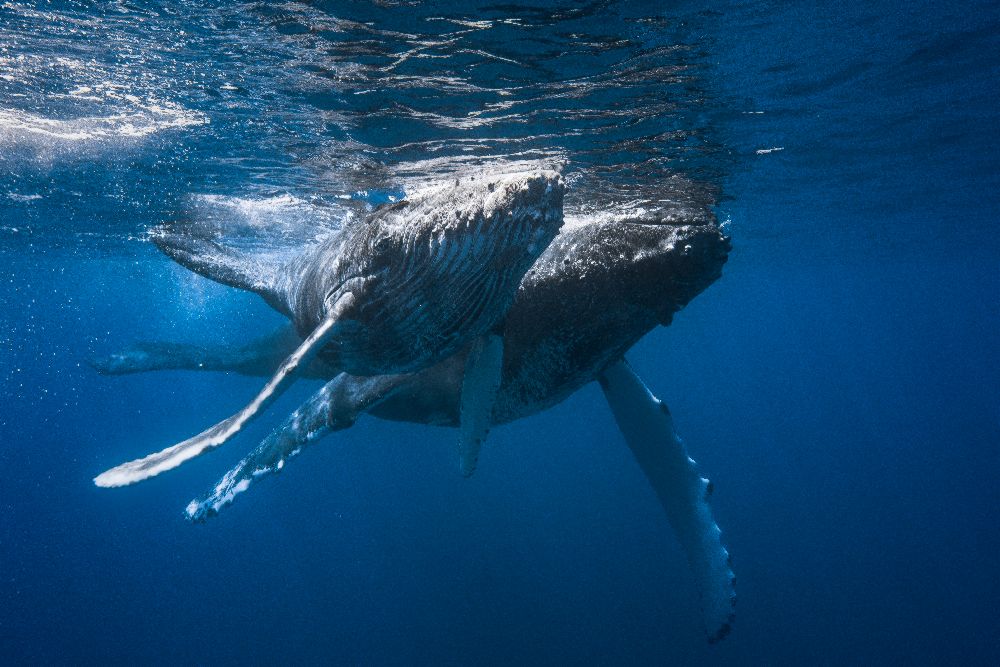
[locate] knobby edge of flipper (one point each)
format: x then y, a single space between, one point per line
648 428
480 386
336 406
215 436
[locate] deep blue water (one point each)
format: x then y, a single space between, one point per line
838 384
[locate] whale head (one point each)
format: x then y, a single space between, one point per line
672 262
604 283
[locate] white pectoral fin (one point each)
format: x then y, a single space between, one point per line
480 387
336 406
649 431
171 457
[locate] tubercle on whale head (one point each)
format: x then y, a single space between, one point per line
540 192
533 201
685 264
645 263
481 200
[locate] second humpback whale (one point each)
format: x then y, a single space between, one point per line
410 285
599 287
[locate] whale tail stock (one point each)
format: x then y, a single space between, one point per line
171 457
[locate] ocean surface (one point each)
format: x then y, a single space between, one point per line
839 383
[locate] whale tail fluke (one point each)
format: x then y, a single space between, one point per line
259 357
147 356
192 248
246 242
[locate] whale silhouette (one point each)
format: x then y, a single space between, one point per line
600 286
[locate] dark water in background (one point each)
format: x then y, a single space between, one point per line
839 384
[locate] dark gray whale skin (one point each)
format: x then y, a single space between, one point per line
591 296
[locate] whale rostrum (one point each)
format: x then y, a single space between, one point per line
408 286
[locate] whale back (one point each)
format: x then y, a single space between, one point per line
595 292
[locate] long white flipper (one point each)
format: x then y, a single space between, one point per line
480 387
171 457
336 406
649 431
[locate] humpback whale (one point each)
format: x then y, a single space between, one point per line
601 285
410 285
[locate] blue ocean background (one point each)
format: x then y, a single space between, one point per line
839 383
